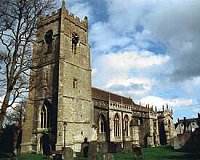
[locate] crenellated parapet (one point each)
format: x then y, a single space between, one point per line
166 111
54 16
47 19
144 111
120 106
76 20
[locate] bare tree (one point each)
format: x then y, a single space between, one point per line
15 114
18 24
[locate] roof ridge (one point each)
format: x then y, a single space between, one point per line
112 93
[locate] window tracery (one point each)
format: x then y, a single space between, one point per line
116 125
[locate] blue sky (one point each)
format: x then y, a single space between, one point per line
146 49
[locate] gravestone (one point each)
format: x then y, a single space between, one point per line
137 153
94 157
108 156
92 148
68 153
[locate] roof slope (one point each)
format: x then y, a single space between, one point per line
106 96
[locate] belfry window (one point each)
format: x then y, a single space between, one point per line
75 40
48 39
116 126
102 124
126 128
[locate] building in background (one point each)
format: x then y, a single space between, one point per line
187 134
187 125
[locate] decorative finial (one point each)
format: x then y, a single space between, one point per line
63 3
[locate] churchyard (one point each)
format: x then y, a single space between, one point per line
155 153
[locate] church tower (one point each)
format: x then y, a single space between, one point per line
60 101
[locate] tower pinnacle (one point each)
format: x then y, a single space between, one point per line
63 3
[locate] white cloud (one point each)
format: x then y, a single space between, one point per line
127 82
127 60
125 15
173 23
159 102
177 25
113 72
104 38
132 87
80 8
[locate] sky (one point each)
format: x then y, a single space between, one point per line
146 49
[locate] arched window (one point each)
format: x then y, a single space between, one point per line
102 124
45 115
126 128
116 126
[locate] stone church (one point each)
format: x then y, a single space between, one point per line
63 104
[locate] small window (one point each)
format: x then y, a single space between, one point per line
75 83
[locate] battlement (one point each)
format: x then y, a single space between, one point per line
165 111
44 20
76 20
120 106
62 12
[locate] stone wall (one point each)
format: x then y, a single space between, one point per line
188 142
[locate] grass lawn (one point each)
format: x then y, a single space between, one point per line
155 153
30 157
167 153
